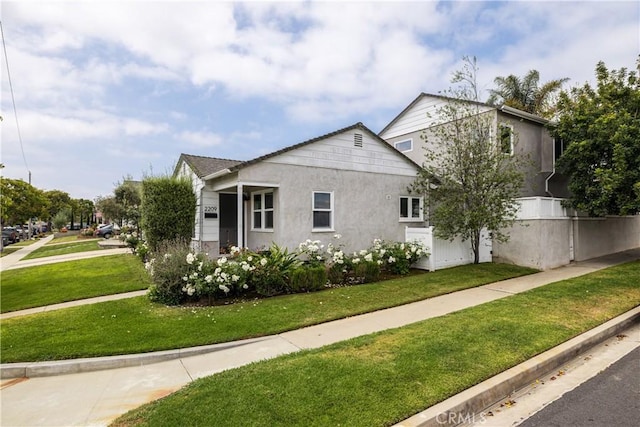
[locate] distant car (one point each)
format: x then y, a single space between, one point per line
105 230
23 233
11 235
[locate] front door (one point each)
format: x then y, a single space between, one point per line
228 221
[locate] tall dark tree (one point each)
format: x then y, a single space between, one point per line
601 129
526 94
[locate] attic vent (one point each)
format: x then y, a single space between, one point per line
357 139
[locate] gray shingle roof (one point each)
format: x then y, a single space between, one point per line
203 166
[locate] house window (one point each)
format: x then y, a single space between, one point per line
505 134
322 211
404 146
262 208
410 208
558 149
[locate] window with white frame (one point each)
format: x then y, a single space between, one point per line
411 208
505 139
262 208
322 211
404 146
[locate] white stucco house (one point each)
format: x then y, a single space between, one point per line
349 182
355 183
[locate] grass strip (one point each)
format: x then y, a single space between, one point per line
383 378
63 249
68 281
136 325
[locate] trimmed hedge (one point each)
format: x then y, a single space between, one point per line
168 210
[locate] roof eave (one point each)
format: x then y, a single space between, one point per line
217 174
523 114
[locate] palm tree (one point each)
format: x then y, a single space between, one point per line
525 93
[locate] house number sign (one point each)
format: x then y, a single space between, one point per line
211 212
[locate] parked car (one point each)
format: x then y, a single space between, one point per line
11 235
105 230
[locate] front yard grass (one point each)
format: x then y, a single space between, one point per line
136 325
67 281
63 249
383 378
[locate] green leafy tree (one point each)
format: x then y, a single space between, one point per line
601 129
129 196
85 209
110 208
168 210
467 178
21 201
58 201
526 94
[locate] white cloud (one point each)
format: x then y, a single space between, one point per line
199 139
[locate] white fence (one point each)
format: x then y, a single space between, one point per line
443 253
541 208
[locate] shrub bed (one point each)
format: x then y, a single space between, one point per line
181 275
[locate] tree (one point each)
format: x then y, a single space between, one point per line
467 178
601 129
129 196
109 207
21 201
525 93
58 201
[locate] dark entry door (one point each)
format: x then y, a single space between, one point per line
228 221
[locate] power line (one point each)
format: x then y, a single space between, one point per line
13 99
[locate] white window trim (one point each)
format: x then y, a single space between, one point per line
262 211
395 145
511 138
409 210
331 210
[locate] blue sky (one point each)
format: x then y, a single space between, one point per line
114 88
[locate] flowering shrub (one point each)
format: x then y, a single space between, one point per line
179 273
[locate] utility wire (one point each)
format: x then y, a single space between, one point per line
15 111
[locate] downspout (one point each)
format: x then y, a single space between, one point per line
546 181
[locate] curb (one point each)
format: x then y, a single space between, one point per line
474 400
75 366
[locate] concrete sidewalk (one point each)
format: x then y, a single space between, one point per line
96 391
15 260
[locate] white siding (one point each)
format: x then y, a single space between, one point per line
340 152
211 226
420 116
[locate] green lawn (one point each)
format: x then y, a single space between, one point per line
67 281
136 325
64 248
383 378
70 239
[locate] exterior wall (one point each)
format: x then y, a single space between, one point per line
596 237
444 253
536 243
366 205
423 114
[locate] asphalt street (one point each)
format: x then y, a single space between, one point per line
612 398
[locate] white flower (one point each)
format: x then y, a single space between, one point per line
191 291
185 278
235 250
224 276
245 266
319 258
379 262
263 262
245 286
235 278
190 258
391 260
356 260
249 258
368 257
222 261
224 288
200 266
166 256
363 252
208 279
